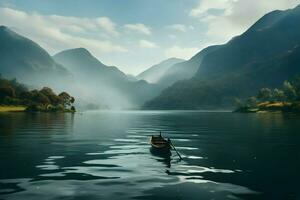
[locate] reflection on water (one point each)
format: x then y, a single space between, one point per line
162 156
100 155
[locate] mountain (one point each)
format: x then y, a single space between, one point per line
156 72
24 59
81 62
264 56
105 85
131 77
185 70
76 71
172 70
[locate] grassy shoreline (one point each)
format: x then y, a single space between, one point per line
6 108
265 107
20 108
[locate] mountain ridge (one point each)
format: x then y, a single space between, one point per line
105 83
260 57
86 63
75 70
154 73
22 58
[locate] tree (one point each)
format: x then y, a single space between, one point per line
26 95
289 91
73 109
251 102
67 100
14 93
265 94
296 84
54 99
278 95
40 98
7 91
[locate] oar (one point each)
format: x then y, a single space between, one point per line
175 150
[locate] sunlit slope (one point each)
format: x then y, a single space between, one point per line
25 60
264 56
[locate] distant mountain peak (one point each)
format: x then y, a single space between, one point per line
80 60
3 27
6 30
76 52
80 49
156 72
24 59
173 59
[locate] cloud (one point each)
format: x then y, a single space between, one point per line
107 25
180 27
147 44
228 18
56 33
140 28
181 52
205 5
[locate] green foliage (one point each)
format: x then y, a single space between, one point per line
14 93
73 109
296 83
289 90
66 99
278 95
285 99
264 94
53 98
7 91
251 102
33 108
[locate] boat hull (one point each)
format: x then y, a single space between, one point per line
158 143
161 147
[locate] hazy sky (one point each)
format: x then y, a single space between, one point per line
134 34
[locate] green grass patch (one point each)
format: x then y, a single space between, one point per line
5 108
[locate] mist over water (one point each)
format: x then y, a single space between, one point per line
99 93
101 155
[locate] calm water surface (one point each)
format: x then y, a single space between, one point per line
102 155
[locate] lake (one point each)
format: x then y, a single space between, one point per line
102 155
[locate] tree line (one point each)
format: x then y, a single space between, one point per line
288 95
14 93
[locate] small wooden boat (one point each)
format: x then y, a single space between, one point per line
160 143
